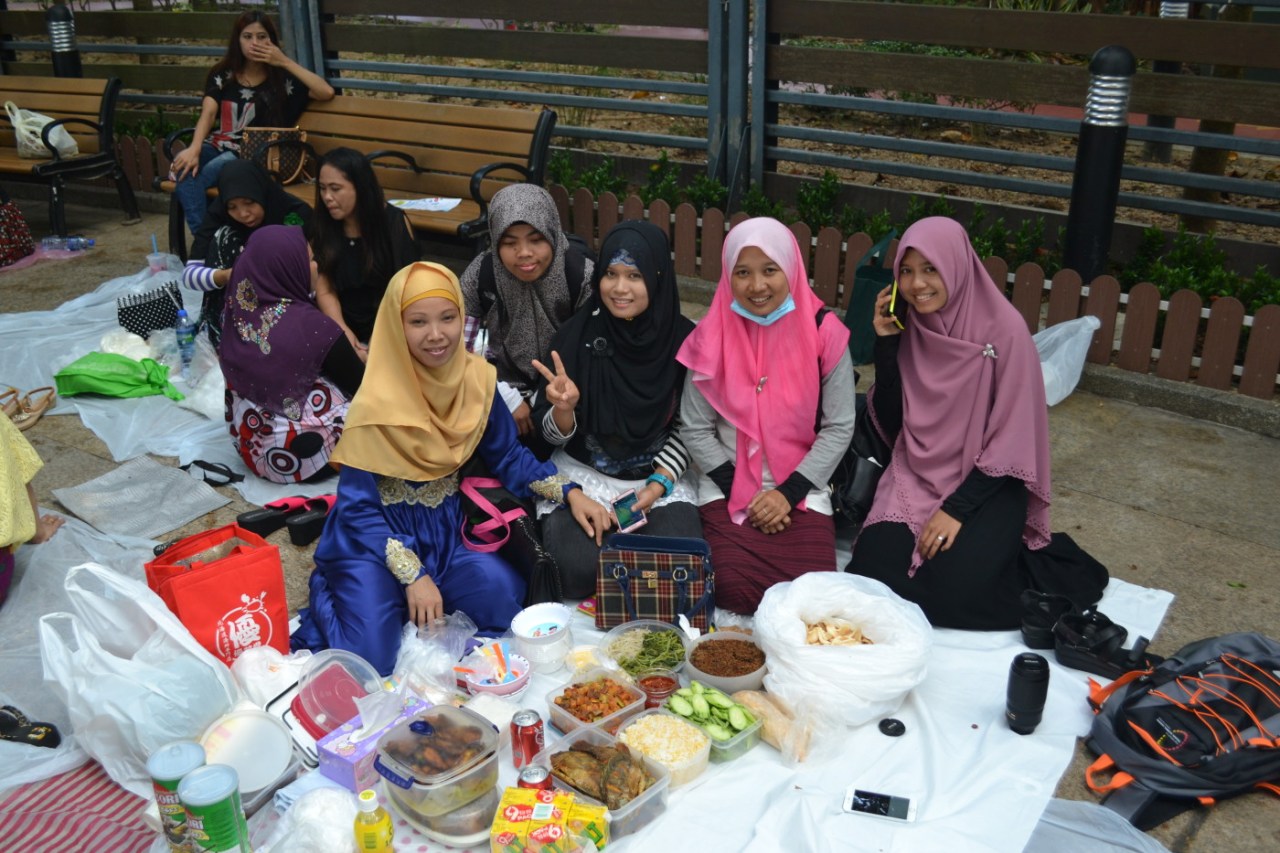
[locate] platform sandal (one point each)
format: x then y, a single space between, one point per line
272 516
306 527
1091 642
1040 612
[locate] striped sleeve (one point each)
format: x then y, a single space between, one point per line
551 432
197 276
673 456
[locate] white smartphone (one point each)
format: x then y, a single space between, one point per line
860 801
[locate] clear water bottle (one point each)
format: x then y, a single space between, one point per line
74 244
186 333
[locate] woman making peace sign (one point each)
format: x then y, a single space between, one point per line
611 407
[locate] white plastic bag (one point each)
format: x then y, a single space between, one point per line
1062 351
428 655
132 676
27 127
849 684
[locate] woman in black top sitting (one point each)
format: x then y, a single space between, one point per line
611 406
360 241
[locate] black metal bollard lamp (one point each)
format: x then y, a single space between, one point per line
1099 158
61 24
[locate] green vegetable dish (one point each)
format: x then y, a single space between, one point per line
641 649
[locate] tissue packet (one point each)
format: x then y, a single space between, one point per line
348 761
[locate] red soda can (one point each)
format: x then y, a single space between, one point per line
526 736
534 776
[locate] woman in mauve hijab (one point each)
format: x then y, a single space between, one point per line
960 522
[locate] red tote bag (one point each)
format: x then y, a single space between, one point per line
227 587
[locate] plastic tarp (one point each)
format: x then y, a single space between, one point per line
36 344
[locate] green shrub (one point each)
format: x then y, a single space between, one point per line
663 182
705 191
756 203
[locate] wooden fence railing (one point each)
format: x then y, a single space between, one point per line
1204 345
1196 344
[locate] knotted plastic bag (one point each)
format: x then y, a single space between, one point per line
1062 350
115 376
850 684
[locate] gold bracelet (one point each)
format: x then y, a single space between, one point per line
402 562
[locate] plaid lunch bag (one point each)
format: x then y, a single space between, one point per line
654 577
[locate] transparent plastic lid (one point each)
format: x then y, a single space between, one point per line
437 745
330 685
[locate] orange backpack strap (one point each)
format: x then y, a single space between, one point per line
1099 694
1269 786
1104 764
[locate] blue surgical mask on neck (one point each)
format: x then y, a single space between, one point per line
769 319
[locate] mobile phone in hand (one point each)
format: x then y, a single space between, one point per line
897 307
859 801
624 509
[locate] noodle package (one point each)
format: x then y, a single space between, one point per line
843 645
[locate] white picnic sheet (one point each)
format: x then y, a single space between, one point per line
978 786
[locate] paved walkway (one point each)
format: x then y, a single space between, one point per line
1163 500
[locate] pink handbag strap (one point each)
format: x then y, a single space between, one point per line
487 531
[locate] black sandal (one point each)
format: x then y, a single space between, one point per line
1040 612
1091 642
15 727
272 516
306 527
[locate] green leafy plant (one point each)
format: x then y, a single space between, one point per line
705 191
816 201
603 178
756 203
663 182
560 170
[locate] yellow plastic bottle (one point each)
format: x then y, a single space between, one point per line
373 828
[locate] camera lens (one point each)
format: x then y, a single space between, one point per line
1028 685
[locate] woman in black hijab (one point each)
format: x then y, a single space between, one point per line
247 199
611 399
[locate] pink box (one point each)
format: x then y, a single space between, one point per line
350 762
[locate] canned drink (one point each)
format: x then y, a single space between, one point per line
215 816
167 766
526 736
534 776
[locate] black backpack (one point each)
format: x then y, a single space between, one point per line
1201 726
575 268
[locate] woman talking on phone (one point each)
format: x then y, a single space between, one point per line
960 521
610 403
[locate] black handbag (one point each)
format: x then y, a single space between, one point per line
144 313
854 482
489 507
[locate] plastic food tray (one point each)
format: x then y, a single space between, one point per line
646 624
636 814
693 766
566 722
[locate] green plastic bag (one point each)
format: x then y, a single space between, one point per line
115 376
870 278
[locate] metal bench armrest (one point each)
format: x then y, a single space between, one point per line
49 128
398 155
483 172
174 137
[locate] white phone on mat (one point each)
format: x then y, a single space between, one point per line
888 806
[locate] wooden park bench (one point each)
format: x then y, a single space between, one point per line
420 150
86 108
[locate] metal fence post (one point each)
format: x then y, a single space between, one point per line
297 34
759 103
737 123
1099 158
1162 152
61 24
717 87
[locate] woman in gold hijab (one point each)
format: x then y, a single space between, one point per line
392 549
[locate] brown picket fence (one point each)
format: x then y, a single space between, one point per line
1196 344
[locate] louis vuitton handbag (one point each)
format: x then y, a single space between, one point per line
282 151
654 577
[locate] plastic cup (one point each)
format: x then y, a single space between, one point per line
157 262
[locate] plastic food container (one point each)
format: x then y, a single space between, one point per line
681 772
516 664
636 814
543 635
725 684
465 826
566 722
329 687
638 625
439 761
657 685
740 744
256 744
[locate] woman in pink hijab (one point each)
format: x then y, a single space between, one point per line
767 414
960 522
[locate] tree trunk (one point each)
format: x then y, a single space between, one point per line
1213 161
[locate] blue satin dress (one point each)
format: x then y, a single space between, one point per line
358 604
